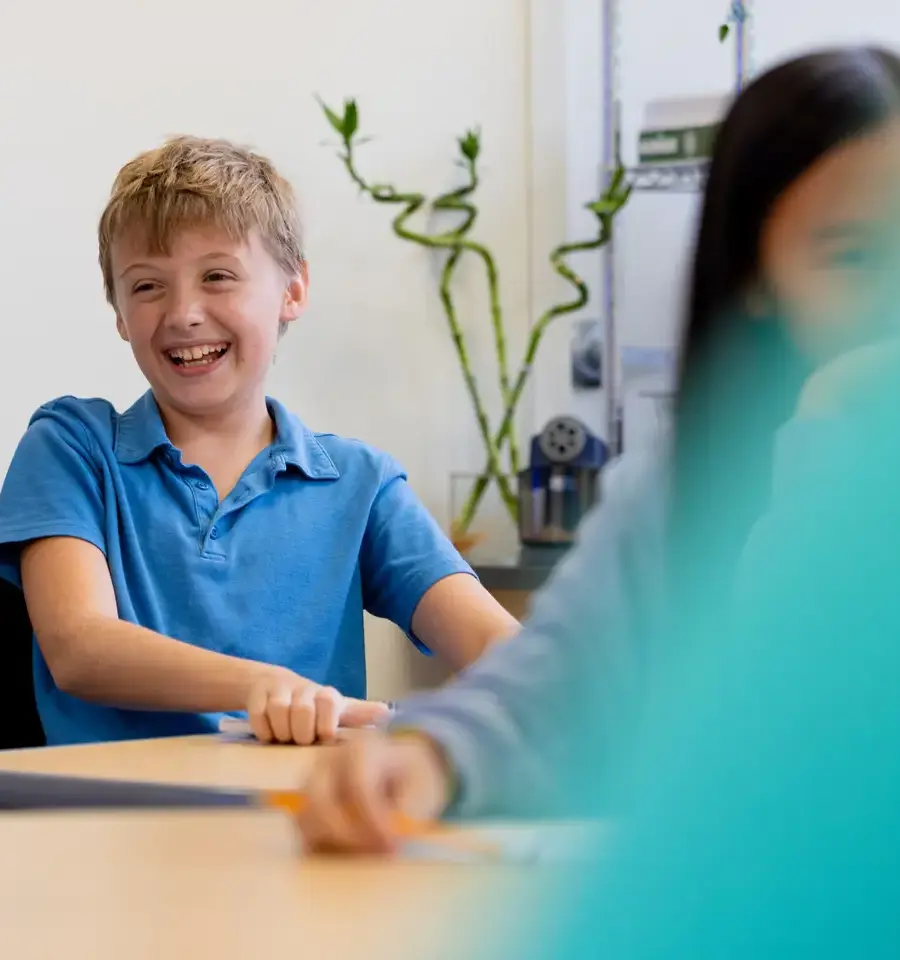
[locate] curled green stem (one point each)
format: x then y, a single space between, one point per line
558 262
456 200
455 243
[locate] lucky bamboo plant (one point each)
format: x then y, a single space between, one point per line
737 15
454 244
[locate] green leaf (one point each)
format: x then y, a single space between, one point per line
351 119
470 144
383 191
724 30
336 121
616 181
613 200
604 207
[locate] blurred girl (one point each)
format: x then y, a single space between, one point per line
787 275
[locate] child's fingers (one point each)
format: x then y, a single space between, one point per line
329 704
257 714
278 711
324 822
363 789
363 713
302 726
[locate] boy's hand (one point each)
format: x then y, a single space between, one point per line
283 707
357 791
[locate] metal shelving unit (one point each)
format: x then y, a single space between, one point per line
678 178
683 178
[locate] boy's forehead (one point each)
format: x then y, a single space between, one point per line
187 242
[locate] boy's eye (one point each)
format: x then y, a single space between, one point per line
218 276
145 286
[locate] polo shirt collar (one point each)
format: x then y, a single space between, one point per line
141 433
298 446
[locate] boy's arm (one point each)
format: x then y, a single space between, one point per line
52 544
93 655
413 576
458 619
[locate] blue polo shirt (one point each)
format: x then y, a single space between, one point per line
317 530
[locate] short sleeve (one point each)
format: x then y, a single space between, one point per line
404 552
52 489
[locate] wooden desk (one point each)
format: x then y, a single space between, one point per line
201 761
220 884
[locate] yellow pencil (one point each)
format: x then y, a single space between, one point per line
294 802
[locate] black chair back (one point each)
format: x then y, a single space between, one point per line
20 724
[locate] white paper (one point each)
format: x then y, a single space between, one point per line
518 843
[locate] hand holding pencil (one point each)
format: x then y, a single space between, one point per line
361 797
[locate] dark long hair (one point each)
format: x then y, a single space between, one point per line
740 376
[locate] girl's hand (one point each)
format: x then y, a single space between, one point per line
359 792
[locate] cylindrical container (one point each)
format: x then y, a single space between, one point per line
553 501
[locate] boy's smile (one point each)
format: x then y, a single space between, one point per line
197 358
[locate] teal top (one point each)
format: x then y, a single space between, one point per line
761 781
764 814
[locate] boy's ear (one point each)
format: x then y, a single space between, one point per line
295 295
120 326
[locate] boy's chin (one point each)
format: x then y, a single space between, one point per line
198 400
220 391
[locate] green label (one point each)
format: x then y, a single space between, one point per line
673 146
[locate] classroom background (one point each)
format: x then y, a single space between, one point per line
88 85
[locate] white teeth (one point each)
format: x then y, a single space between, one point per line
192 356
195 354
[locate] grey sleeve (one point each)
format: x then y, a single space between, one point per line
506 723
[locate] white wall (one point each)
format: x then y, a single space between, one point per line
372 358
573 27
784 29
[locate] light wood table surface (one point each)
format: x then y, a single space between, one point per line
221 884
200 761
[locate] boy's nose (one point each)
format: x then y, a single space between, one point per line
183 312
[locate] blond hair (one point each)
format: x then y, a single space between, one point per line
189 182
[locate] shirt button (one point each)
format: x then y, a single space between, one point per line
203 485
213 534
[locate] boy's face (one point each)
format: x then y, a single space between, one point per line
203 320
